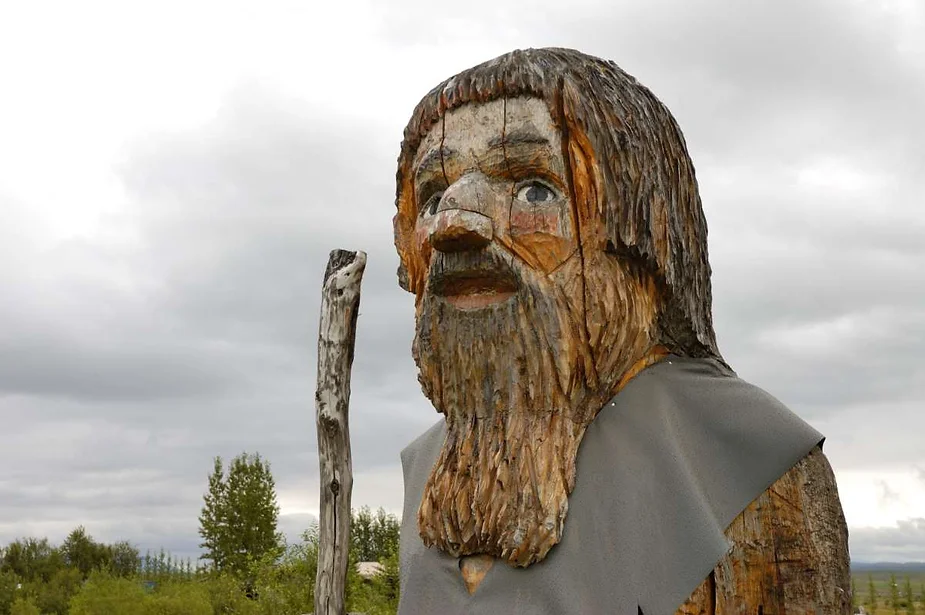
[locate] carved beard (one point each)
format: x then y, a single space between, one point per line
517 383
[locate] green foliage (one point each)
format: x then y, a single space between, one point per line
909 597
24 606
124 559
52 598
239 515
252 572
8 583
48 577
103 594
162 567
373 538
386 586
179 598
32 559
280 583
871 592
226 596
894 594
80 551
854 593
287 585
376 596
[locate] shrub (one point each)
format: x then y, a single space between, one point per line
226 596
24 606
104 594
179 598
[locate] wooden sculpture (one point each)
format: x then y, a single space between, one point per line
550 227
340 307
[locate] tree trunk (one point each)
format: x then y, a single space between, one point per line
340 305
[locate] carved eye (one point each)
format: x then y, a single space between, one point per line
535 191
430 206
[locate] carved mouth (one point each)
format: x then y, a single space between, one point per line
474 289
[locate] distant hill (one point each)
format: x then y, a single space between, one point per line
905 567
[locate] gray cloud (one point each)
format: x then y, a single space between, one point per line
903 543
129 364
886 494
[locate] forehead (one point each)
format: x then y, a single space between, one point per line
476 125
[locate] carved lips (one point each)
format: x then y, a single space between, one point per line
472 281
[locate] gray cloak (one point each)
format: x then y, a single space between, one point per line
662 471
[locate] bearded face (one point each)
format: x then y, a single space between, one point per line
524 325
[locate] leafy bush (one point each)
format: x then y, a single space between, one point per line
53 597
104 594
24 606
179 598
226 596
8 583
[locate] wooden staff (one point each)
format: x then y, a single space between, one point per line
340 305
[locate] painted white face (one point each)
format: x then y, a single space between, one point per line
492 175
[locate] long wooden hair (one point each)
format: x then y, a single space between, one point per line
630 170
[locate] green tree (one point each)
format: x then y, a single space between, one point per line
24 606
373 538
32 559
387 532
388 580
178 598
894 593
103 593
52 598
854 592
225 596
871 593
239 515
80 551
910 598
361 535
9 582
124 559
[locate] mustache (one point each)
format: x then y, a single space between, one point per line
488 269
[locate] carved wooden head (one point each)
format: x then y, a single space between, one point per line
549 226
626 164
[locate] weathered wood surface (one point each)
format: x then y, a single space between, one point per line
513 343
515 315
634 171
789 554
340 304
542 197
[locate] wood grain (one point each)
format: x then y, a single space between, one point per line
789 551
340 306
642 245
632 175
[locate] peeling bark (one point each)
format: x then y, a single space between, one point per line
340 304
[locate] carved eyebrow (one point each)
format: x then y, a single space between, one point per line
432 160
518 137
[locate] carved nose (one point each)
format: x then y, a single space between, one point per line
460 230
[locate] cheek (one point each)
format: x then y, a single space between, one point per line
421 236
542 234
536 220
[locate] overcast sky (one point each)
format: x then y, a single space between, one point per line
173 175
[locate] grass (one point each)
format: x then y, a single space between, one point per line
880 574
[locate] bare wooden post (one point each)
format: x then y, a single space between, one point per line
340 305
